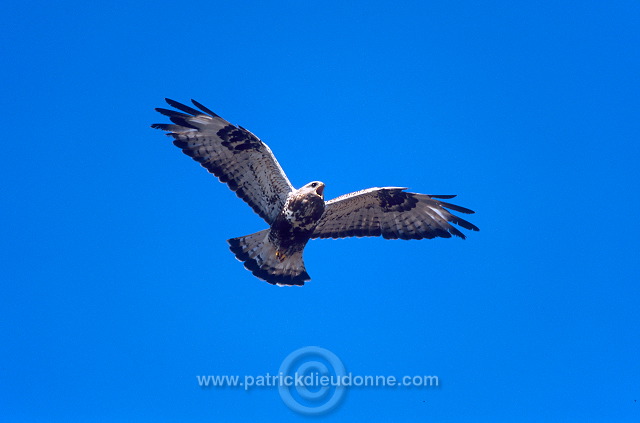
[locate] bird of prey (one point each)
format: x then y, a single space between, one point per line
247 165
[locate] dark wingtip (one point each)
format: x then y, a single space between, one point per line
203 108
166 127
171 113
456 208
456 232
183 107
170 102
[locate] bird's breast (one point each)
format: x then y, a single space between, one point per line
300 215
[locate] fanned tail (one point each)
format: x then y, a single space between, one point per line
259 256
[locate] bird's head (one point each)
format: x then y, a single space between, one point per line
316 187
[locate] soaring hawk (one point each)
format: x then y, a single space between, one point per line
247 165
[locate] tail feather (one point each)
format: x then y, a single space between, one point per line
259 256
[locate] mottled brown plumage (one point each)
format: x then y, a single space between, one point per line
247 165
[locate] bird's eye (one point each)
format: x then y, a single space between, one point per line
313 185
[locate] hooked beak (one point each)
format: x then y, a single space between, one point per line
320 190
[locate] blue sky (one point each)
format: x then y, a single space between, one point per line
117 284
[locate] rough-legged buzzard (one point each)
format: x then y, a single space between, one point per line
247 165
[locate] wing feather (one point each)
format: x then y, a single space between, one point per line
233 154
392 213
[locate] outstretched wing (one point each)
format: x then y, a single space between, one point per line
392 213
233 154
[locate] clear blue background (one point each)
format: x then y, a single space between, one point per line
117 287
